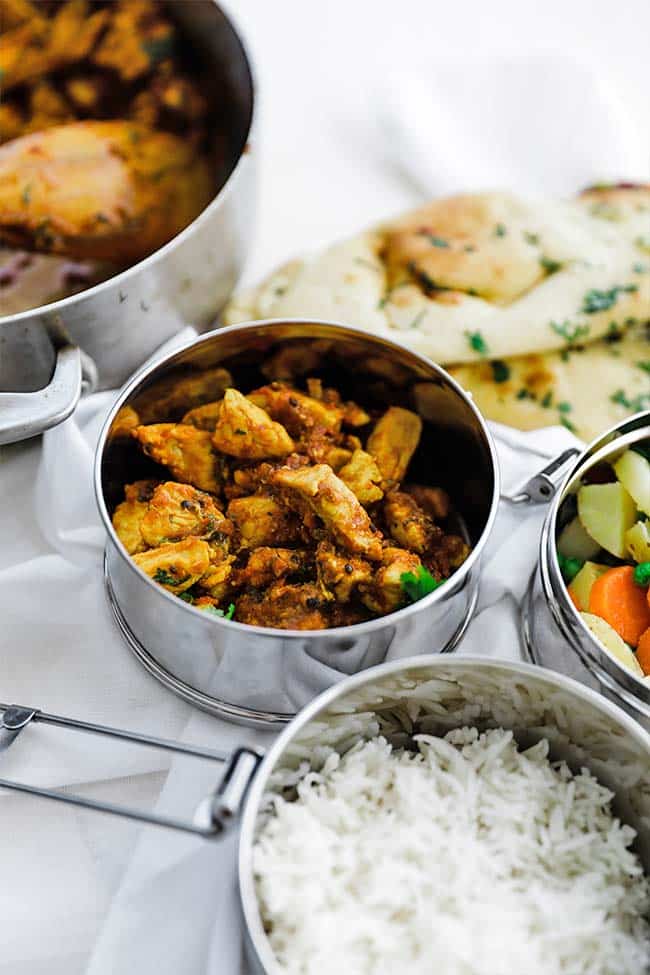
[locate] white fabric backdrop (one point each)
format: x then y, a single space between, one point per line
349 96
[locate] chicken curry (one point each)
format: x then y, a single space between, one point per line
287 506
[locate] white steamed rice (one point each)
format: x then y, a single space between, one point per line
469 857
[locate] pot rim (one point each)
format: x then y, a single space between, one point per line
63 304
247 894
562 608
456 580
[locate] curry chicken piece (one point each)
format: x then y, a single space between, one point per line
267 565
335 505
186 451
288 607
127 517
393 441
296 411
341 574
176 565
170 399
100 190
447 554
178 510
244 430
217 579
363 477
408 524
384 593
434 500
263 520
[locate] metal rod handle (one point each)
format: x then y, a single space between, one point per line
541 488
226 801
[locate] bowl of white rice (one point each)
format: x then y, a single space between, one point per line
442 816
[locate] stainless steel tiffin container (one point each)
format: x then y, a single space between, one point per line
583 728
96 338
263 675
555 636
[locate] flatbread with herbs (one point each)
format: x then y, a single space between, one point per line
479 276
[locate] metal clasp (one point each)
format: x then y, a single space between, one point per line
225 802
541 488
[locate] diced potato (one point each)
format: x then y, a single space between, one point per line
580 587
575 543
612 642
637 540
633 471
607 512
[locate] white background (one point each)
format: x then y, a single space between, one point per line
326 169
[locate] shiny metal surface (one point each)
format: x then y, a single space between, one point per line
582 727
122 321
265 675
554 633
240 766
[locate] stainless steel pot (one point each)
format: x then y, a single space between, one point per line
120 322
263 675
554 633
582 727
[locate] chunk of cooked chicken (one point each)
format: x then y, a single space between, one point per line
124 423
169 399
447 553
341 574
244 430
176 565
138 36
262 520
186 451
267 565
204 417
334 503
302 607
384 593
217 579
127 517
363 477
393 442
434 500
178 510
296 411
408 524
113 191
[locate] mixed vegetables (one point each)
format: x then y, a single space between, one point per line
604 557
287 506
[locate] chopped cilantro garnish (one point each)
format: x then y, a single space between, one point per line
569 567
643 242
595 300
642 574
532 239
434 240
166 579
414 323
469 248
564 407
549 265
213 611
639 268
187 597
417 585
477 343
547 399
564 420
500 230
500 371
524 393
644 365
635 405
571 333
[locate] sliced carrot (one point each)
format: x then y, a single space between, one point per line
643 652
574 599
617 599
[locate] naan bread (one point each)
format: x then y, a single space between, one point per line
588 389
478 276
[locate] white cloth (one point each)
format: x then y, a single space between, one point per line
86 895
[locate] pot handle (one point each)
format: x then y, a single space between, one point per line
541 488
24 415
225 802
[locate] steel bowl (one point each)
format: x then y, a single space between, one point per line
263 675
554 632
118 323
583 729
